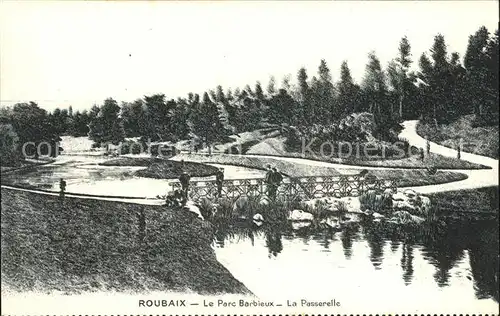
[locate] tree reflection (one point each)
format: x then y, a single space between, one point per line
374 236
347 237
407 262
484 261
444 249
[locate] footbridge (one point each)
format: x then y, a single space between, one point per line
289 189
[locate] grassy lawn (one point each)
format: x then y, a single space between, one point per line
478 201
477 140
276 147
412 177
159 168
81 245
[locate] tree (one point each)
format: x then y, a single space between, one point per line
306 110
479 61
347 91
158 116
441 77
9 145
271 86
206 123
133 115
80 126
107 127
283 109
33 124
327 108
398 74
374 87
259 93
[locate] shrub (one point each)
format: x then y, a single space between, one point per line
374 202
131 147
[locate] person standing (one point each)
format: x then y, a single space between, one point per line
277 178
62 187
219 179
184 180
269 181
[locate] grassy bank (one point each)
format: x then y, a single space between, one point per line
159 168
411 177
467 203
477 140
276 147
80 245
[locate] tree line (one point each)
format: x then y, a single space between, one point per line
442 87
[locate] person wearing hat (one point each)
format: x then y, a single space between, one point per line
219 179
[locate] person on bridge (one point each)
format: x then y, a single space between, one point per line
275 182
268 180
219 179
184 180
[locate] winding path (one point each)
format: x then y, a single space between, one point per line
476 178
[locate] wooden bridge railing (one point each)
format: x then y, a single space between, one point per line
289 189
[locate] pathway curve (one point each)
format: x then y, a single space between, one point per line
476 178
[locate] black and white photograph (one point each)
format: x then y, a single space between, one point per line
249 157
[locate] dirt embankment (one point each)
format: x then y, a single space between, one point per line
76 245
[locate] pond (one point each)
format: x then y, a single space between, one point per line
384 265
83 174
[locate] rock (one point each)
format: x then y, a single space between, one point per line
426 203
403 205
377 215
299 225
258 217
388 191
192 207
299 215
399 196
409 193
405 218
331 222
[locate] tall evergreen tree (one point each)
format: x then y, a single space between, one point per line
477 62
374 88
271 86
348 98
327 109
398 74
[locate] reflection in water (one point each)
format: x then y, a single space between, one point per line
348 234
273 242
373 235
407 263
442 246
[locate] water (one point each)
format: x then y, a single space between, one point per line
83 174
384 265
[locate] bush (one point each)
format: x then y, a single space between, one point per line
374 202
131 147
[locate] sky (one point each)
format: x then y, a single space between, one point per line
79 53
